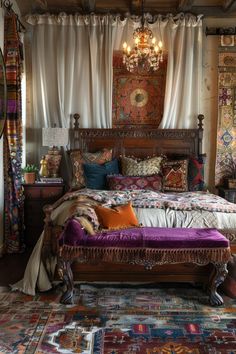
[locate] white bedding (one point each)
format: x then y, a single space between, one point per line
36 274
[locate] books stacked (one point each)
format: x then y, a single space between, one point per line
50 180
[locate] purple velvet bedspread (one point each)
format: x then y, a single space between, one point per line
144 237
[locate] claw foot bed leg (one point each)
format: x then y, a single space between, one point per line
66 275
219 276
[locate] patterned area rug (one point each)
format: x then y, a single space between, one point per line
117 320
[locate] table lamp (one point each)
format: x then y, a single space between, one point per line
54 137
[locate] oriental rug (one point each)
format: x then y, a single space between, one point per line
117 319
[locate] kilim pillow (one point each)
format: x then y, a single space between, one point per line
119 217
122 183
196 174
175 175
78 158
133 167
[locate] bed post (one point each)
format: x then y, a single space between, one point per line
200 133
76 138
47 248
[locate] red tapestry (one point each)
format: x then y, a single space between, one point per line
138 98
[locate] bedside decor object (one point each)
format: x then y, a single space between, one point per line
43 172
29 173
54 137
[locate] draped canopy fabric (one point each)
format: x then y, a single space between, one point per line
72 66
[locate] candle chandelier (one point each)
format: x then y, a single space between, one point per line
144 56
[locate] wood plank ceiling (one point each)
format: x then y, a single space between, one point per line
210 8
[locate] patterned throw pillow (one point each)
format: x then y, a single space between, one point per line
133 167
175 175
196 174
119 217
122 183
78 158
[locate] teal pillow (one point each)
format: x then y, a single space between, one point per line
96 175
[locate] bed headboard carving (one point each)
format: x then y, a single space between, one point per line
140 142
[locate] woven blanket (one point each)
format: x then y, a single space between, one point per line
151 199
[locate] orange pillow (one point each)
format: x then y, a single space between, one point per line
119 217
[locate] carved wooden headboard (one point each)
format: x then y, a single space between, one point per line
140 142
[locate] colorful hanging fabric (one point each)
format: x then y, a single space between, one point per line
13 197
226 130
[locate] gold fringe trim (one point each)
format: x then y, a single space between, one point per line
145 255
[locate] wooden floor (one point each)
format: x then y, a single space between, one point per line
12 267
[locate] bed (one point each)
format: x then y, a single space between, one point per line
196 209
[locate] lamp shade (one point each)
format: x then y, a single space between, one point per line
55 136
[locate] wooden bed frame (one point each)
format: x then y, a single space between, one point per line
140 142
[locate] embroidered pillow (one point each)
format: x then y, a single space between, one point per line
78 158
134 167
175 175
122 183
95 174
119 217
196 174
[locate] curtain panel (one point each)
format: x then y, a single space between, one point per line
12 153
72 66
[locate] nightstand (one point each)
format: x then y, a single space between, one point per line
36 196
228 194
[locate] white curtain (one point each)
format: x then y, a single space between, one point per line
72 68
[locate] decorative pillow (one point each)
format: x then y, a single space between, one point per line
134 167
78 158
196 174
175 175
73 233
122 183
95 174
99 157
119 217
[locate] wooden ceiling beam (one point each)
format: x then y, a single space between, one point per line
88 5
135 6
228 4
185 5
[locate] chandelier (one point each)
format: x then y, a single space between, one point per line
144 56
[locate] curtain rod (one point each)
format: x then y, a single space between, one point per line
220 31
7 5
